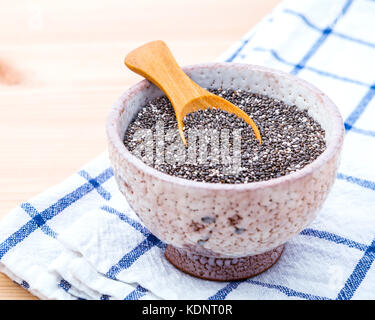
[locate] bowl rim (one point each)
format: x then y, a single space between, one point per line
330 152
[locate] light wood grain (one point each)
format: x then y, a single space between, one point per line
61 68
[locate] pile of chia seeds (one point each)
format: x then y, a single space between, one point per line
225 149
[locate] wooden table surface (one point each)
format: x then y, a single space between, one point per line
61 68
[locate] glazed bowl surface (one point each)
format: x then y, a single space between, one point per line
269 212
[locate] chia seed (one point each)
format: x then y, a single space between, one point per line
291 139
208 219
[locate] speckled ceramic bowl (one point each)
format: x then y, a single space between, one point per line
271 212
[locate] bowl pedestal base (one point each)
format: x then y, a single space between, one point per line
222 269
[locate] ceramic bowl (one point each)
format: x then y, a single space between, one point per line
271 212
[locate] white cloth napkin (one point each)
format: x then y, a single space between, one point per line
80 239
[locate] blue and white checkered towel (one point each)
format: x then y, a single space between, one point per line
80 240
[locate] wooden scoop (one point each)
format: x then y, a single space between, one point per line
155 62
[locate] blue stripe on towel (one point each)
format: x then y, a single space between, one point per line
50 212
237 52
287 291
33 213
318 71
361 182
324 35
104 193
334 238
137 293
223 293
362 131
133 223
359 273
338 34
65 285
360 108
128 259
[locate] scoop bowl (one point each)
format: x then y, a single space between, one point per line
270 212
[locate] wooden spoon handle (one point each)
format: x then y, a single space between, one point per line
155 62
